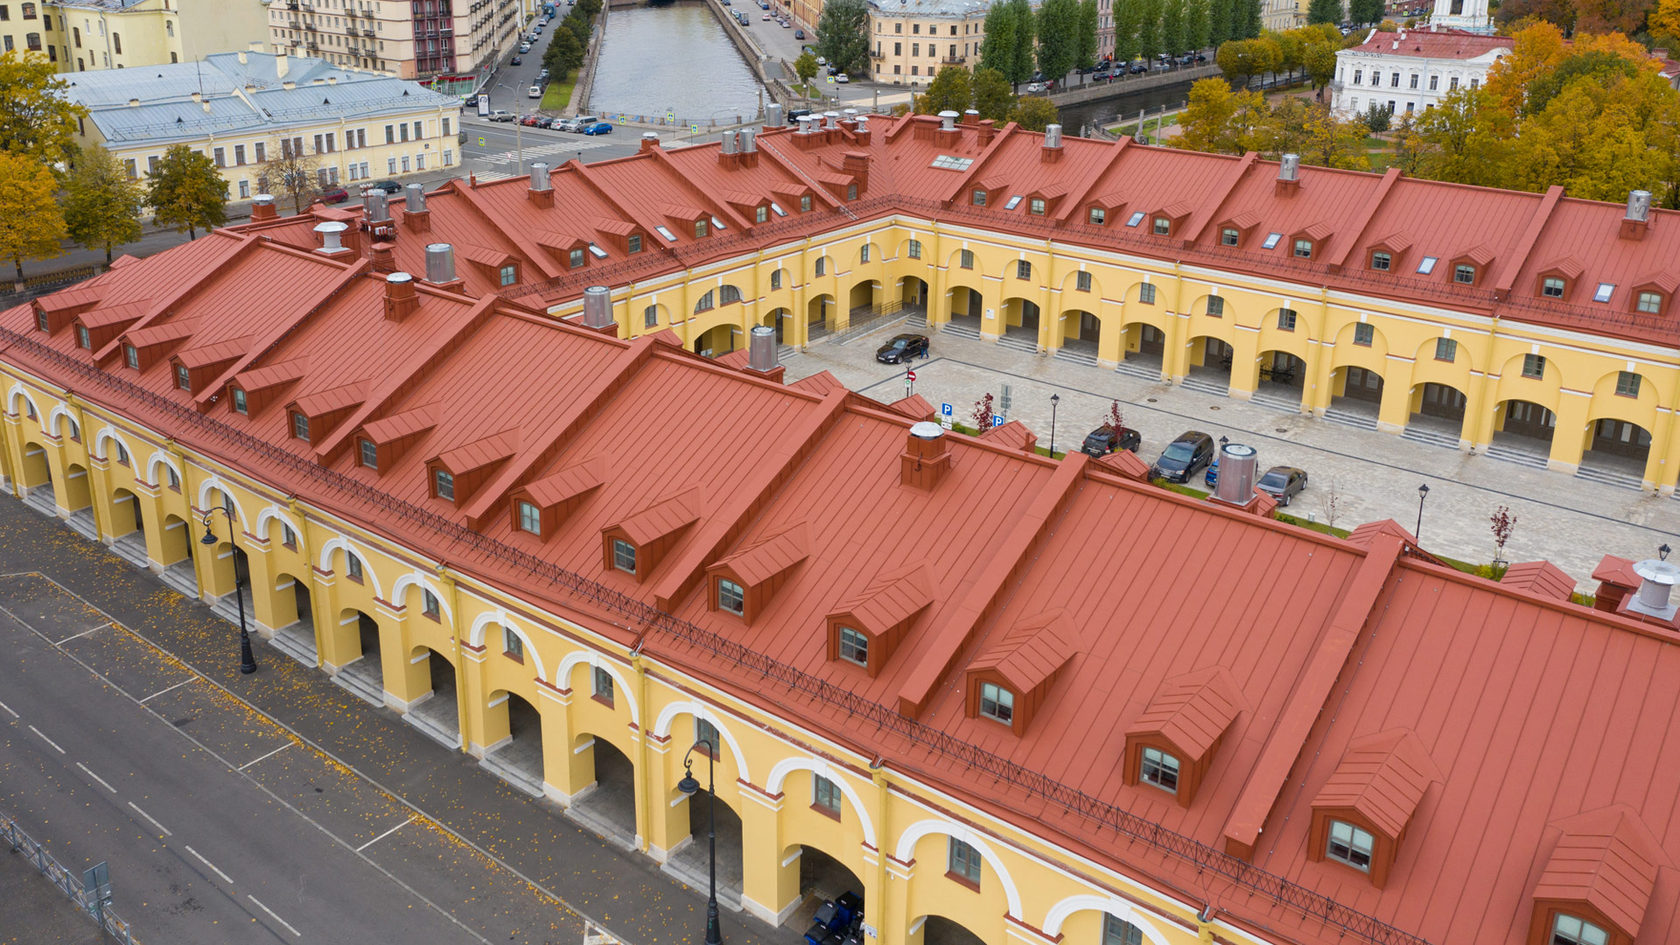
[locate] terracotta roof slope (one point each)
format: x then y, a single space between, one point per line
1607 859
1382 776
1193 710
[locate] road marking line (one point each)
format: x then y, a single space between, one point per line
89 772
384 835
269 755
78 636
271 914
46 739
9 710
225 877
166 831
170 689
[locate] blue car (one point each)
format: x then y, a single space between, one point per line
597 128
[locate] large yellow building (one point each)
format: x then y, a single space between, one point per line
910 42
82 35
1011 700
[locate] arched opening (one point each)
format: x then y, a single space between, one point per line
607 806
690 863
78 497
435 712
128 527
1020 321
967 307
1210 366
517 759
782 321
176 547
824 880
1142 347
819 316
938 930
1617 453
1355 396
861 301
1080 331
1281 378
716 341
1437 415
1522 433
294 620
364 674
231 562
913 293
36 479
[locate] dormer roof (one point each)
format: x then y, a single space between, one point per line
1192 710
569 483
1382 777
892 598
662 518
769 556
1029 653
399 425
480 453
1607 859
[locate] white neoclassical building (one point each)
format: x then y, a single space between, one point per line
1412 70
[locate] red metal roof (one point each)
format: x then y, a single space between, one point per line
1433 44
1608 859
769 556
1192 710
1029 653
1382 776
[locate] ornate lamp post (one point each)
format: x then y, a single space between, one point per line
689 786
247 660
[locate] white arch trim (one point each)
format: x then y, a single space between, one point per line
159 458
907 851
18 390
662 729
787 766
563 675
59 410
215 482
109 432
419 579
1119 908
482 624
269 515
367 566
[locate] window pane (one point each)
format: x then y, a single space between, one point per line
854 646
624 556
731 596
705 732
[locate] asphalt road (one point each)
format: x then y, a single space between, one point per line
218 825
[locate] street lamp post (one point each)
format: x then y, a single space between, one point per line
1423 493
689 786
1054 400
247 660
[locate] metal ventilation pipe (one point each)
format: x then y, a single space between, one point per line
262 200
1656 579
378 207
597 307
1638 205
440 263
971 116
947 120
650 136
414 198
833 119
1237 464
749 141
863 123
806 123
761 351
1289 168
1052 136
539 176
849 113
773 115
332 232
728 142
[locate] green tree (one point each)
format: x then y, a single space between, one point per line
1465 139
1324 11
564 54
1198 24
1026 25
1128 17
1378 118
1289 50
1149 28
101 202
1086 55
1365 11
35 117
1058 37
186 192
1248 18
997 50
1173 25
806 68
31 225
951 90
1221 22
992 97
1243 59
1319 59
1033 113
843 35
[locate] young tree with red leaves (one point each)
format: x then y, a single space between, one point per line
983 414
1504 523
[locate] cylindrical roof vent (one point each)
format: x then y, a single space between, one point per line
378 207
539 176
773 115
650 136
850 114
749 141
1237 465
332 233
728 142
971 116
1656 579
833 119
1638 205
597 307
1289 167
806 124
863 123
947 122
440 263
761 350
262 200
1052 136
414 198
926 430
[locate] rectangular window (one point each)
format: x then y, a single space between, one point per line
965 259
300 427
1363 335
915 249
963 862
369 453
699 228
287 536
240 406
1394 81
1552 287
1381 261
825 795
509 274
761 214
601 684
244 190
650 317
805 203
183 377
1426 265
1414 82
863 254
979 198
1350 845
1023 269
1160 769
1082 282
1464 274
705 733
633 243
130 168
512 644
1627 384
776 279
391 165
1569 930
530 518
1534 365
1216 306
997 703
1120 932
443 485
624 556
429 604
261 151
1162 226
854 646
1453 84
353 567
1446 349
1229 236
1303 249
219 156
1286 319
731 597
821 265
131 354
1650 303
1098 216
577 259
1146 294
446 127
1358 74
1035 206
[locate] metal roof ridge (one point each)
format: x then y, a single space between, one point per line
663 159
183 289
1117 150
1367 213
1525 245
787 167
1305 703
1224 192
532 253
613 200
974 171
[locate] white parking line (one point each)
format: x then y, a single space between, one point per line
102 782
225 877
271 914
46 739
9 710
269 755
78 636
384 835
170 689
153 820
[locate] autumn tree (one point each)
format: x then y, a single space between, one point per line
843 34
37 120
982 415
1243 59
186 192
1218 119
951 90
1335 142
1502 523
101 202
1664 25
1033 113
291 172
31 224
1319 61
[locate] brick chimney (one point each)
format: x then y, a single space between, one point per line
988 128
650 140
400 297
926 457
947 136
1638 217
381 257
262 208
542 189
856 163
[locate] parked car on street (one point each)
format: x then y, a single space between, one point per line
501 115
530 121
843 78
1282 483
534 92
389 186
902 348
597 128
799 33
1184 457
1106 439
334 195
516 61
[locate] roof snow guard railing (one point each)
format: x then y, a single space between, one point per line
1204 857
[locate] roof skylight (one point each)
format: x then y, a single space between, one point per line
1427 265
1604 290
1014 201
1271 240
1136 219
718 224
662 231
951 162
597 251
778 209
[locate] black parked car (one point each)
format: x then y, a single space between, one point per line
902 348
1282 483
1105 439
1184 457
389 186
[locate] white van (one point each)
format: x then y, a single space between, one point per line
535 92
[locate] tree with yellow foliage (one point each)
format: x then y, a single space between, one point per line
1664 25
1221 120
31 225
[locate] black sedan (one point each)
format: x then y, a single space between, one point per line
1106 439
902 348
389 186
1282 483
1184 457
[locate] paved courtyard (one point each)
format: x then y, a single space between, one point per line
1569 521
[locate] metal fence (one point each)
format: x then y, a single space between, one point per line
67 882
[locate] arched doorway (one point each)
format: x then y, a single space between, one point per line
1210 366
938 930
716 341
822 878
36 480
782 321
1080 331
861 302
1281 379
1020 321
517 759
231 571
1355 396
175 547
967 308
1617 453
78 499
364 674
913 293
691 862
128 527
819 316
1437 415
294 620
436 712
1522 433
608 806
1142 348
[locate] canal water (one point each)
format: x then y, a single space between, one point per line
672 60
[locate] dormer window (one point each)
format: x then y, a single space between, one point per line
1381 261
368 453
1229 236
530 518
42 321
1552 287
701 228
997 703
443 484
761 214
1464 274
1160 769
1649 303
1351 845
1162 226
240 404
1035 206
1303 249
300 426
731 597
1098 216
854 646
851 191
633 243
1568 930
805 203
576 259
624 556
82 337
509 274
131 357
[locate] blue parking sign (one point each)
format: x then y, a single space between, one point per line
945 410
997 421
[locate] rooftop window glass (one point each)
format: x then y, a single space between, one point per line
1271 240
777 208
718 224
1602 293
663 231
1135 219
1426 265
951 162
1014 201
597 251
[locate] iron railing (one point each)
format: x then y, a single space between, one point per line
67 882
445 537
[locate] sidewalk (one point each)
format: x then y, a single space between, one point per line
624 892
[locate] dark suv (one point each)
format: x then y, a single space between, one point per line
1105 439
1184 457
